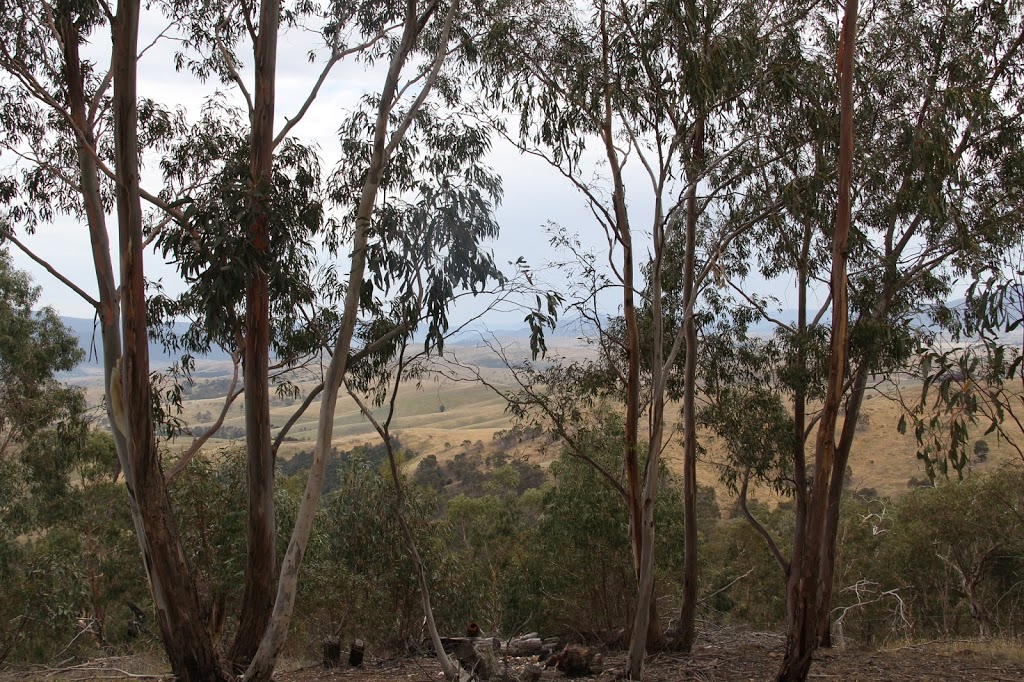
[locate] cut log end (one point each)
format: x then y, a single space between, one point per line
355 654
332 652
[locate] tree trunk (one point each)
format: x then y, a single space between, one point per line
177 605
688 611
262 665
108 311
801 634
805 579
640 526
978 612
623 235
835 494
645 587
261 535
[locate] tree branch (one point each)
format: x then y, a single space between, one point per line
9 236
761 530
200 440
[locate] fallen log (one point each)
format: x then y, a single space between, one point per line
522 646
449 643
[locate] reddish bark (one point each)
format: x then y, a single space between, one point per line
185 638
261 535
805 581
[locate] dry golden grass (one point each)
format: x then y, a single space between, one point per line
999 648
437 417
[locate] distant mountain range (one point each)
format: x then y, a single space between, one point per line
88 334
567 328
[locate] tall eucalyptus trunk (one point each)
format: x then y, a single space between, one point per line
109 310
646 627
261 535
688 612
805 584
383 147
186 640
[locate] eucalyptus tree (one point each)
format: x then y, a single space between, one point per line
659 85
807 572
936 198
933 192
421 246
34 345
255 192
73 136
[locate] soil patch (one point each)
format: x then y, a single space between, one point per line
724 654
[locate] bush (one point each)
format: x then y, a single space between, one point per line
948 556
744 582
359 580
579 573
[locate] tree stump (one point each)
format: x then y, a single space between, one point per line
332 652
355 654
477 656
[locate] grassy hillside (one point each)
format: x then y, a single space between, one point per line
445 417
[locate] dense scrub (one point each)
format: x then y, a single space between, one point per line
510 548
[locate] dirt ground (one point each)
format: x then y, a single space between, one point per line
725 654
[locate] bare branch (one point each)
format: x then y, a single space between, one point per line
757 526
336 56
155 40
9 236
233 73
435 69
199 441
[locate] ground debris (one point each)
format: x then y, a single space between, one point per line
719 654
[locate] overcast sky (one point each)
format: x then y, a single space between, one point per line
534 194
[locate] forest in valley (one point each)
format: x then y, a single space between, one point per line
788 208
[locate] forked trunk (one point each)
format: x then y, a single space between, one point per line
656 640
108 311
185 638
835 494
187 652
